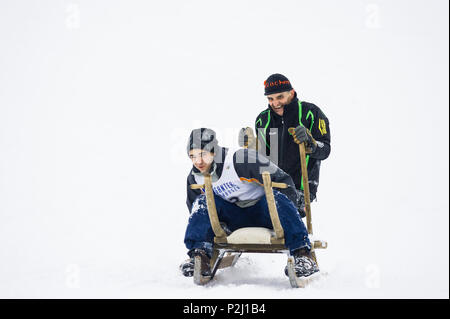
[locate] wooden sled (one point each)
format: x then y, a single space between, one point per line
228 248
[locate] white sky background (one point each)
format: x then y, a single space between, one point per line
97 99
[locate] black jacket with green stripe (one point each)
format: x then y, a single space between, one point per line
280 148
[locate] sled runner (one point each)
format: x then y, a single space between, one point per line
227 248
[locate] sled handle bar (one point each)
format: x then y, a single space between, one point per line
274 184
302 150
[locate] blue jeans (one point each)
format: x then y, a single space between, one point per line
199 233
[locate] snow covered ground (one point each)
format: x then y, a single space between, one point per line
97 99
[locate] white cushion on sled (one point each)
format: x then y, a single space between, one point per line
251 235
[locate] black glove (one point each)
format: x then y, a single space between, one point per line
301 211
302 134
301 202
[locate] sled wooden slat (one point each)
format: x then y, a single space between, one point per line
304 169
228 261
253 248
306 188
279 232
199 279
221 236
279 185
320 244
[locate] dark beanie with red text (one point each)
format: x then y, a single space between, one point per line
276 83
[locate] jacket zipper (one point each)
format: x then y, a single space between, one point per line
281 152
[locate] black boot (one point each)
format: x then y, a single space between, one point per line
305 265
187 267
